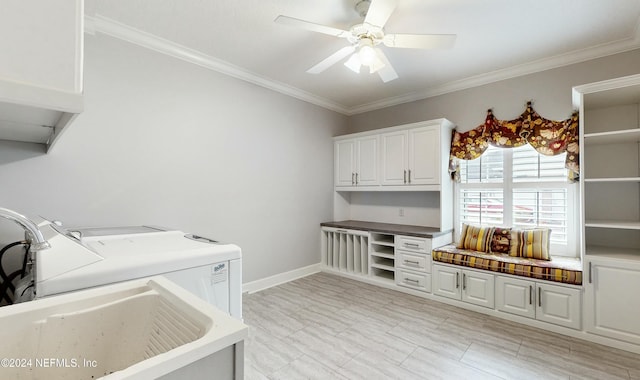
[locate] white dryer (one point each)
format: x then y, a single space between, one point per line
81 258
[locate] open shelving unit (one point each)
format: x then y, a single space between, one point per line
610 165
382 256
610 207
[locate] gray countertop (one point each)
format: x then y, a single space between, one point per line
396 229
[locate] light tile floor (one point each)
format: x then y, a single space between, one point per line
328 327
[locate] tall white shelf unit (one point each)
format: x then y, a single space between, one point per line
610 212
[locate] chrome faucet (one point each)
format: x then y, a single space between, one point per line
33 230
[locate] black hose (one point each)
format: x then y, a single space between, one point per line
5 287
3 274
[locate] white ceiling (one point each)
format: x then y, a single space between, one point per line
496 39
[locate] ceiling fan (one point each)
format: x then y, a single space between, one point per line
366 36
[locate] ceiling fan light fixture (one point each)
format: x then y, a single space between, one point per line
376 65
366 53
353 63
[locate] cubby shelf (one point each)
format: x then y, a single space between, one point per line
613 137
616 179
615 224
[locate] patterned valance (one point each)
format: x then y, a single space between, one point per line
548 137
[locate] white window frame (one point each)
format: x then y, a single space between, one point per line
507 186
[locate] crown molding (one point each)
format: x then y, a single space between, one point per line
100 24
557 61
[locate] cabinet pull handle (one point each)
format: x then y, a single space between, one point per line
405 176
411 281
353 182
409 175
411 262
412 245
356 178
540 297
464 281
530 295
342 231
590 272
457 280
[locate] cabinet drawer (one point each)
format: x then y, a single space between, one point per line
414 280
413 244
413 261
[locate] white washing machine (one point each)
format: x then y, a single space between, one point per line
88 257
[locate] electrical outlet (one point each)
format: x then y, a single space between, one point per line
401 212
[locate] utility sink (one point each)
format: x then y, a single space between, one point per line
142 329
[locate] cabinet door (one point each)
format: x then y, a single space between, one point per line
612 300
478 288
344 158
515 296
558 305
446 281
424 156
367 161
394 158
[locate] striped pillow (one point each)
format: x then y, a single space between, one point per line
530 243
475 238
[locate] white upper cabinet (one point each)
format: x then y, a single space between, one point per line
394 158
367 161
344 159
413 156
40 68
406 157
356 162
424 156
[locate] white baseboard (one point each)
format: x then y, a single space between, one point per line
280 278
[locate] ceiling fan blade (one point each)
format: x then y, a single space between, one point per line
379 12
286 20
387 73
332 59
420 41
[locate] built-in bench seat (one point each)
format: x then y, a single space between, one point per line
559 269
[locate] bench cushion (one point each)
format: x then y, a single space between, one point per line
559 269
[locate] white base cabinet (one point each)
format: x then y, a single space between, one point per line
413 262
470 286
612 300
559 305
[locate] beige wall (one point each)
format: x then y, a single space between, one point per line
550 91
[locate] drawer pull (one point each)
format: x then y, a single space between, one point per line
411 281
405 176
530 295
457 280
411 262
412 245
590 272
464 281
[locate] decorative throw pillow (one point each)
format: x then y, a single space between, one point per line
475 238
530 243
500 240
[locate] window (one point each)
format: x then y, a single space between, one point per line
519 188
